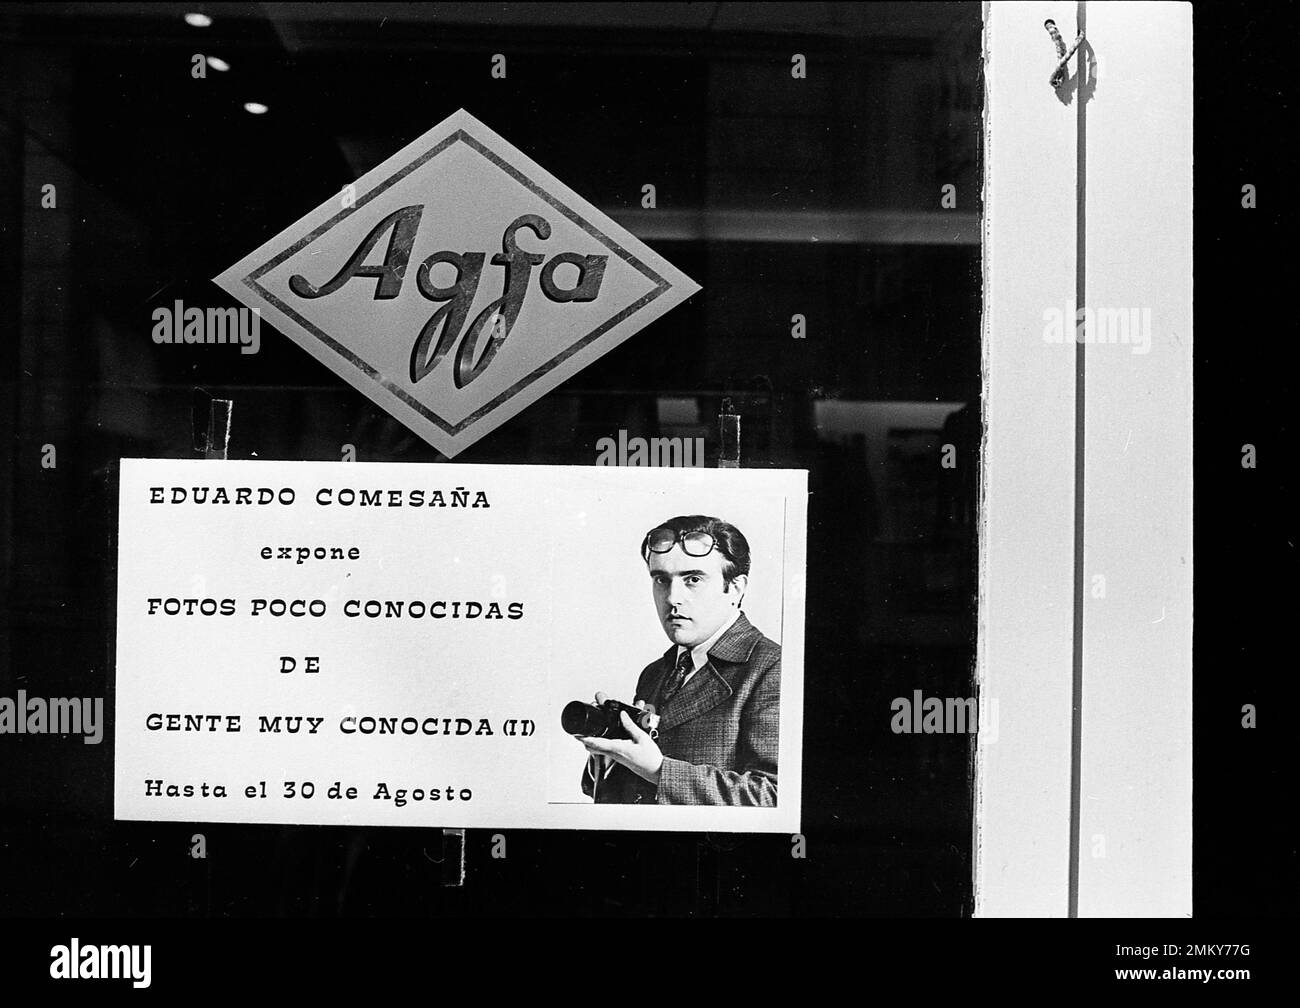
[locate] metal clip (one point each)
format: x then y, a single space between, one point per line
211 419
1063 55
729 434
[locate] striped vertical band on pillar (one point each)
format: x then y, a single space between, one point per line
1080 444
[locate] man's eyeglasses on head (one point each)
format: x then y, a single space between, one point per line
663 539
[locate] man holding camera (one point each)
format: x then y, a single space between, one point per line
716 690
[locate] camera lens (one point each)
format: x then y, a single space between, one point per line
580 718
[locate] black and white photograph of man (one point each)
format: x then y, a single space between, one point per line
714 695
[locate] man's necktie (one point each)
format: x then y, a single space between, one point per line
685 665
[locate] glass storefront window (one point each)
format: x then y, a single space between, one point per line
816 168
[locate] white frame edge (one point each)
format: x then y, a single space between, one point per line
1096 822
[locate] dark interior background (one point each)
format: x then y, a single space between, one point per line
1246 847
819 197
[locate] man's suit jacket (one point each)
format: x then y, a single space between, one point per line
718 735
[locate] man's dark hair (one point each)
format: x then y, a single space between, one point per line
731 542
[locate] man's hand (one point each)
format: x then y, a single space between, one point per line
639 754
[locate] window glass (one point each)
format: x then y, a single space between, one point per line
815 167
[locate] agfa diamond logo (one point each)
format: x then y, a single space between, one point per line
459 283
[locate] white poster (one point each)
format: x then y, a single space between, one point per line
397 644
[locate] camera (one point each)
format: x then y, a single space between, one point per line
602 720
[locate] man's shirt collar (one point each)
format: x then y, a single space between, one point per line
700 653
